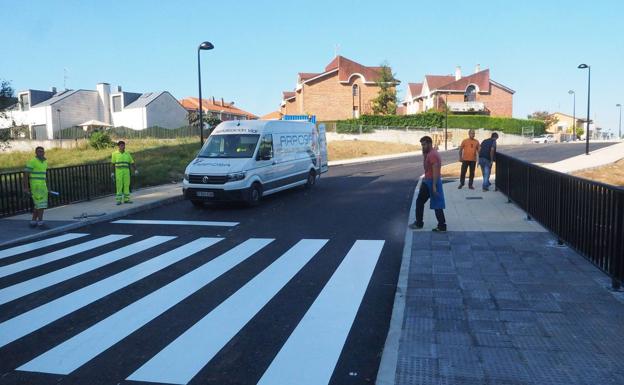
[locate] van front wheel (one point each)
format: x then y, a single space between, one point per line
255 195
311 179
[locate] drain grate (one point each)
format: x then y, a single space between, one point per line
473 198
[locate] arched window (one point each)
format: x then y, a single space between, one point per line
355 90
471 94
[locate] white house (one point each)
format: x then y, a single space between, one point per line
46 112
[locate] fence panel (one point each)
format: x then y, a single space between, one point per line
586 215
73 183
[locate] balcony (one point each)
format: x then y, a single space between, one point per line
466 106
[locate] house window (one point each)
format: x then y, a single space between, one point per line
25 102
471 94
355 90
117 103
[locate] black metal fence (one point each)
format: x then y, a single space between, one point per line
586 215
73 183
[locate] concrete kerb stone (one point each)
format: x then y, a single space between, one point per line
386 375
103 218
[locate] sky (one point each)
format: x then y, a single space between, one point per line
532 47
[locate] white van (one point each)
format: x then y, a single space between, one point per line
246 160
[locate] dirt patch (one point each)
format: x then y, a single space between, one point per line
612 174
348 149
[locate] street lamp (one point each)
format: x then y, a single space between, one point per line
205 46
571 92
620 124
446 121
583 66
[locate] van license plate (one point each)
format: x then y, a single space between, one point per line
207 194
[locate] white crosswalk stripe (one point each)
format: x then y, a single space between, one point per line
39 317
70 355
39 244
308 356
32 285
58 254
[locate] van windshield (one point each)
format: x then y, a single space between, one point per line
229 146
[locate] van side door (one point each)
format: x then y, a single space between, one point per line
265 159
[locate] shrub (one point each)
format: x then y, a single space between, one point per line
100 140
506 125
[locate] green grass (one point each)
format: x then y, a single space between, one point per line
158 160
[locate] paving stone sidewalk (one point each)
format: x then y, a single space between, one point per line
507 308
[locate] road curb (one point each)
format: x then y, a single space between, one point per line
103 218
386 375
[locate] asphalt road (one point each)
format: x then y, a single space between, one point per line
550 152
277 292
349 205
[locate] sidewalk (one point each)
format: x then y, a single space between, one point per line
496 301
601 157
63 218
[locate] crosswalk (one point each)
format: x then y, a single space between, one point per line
308 356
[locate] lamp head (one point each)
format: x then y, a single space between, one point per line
206 45
571 92
618 105
583 66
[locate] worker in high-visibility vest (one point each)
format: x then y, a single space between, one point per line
34 183
122 161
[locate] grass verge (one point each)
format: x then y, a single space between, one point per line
612 174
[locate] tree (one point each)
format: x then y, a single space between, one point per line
549 119
7 99
386 101
209 119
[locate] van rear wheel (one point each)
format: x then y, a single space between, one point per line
311 179
255 195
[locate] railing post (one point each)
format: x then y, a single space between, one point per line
508 181
559 202
618 256
528 193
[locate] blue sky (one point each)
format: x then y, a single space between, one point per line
530 46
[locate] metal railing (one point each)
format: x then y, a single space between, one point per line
73 183
586 215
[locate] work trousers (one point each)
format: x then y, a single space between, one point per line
467 164
122 184
423 197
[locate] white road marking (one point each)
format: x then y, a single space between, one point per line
183 223
39 244
41 316
32 285
180 361
75 352
58 254
311 353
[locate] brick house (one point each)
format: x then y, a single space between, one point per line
473 94
344 90
217 108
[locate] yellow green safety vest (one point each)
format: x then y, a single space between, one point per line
37 169
121 159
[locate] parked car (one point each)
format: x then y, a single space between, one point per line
549 138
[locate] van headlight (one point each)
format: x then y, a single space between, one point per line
235 176
186 177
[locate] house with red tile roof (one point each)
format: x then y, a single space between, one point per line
344 90
217 108
473 94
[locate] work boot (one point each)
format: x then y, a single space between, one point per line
32 224
416 226
118 203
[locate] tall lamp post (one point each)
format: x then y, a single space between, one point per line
620 124
446 122
205 46
571 92
58 111
583 66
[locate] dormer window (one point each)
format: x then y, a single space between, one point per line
471 94
24 100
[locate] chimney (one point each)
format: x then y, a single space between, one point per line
103 90
457 73
222 103
118 88
478 68
53 89
213 101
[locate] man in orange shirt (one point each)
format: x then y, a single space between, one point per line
468 151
